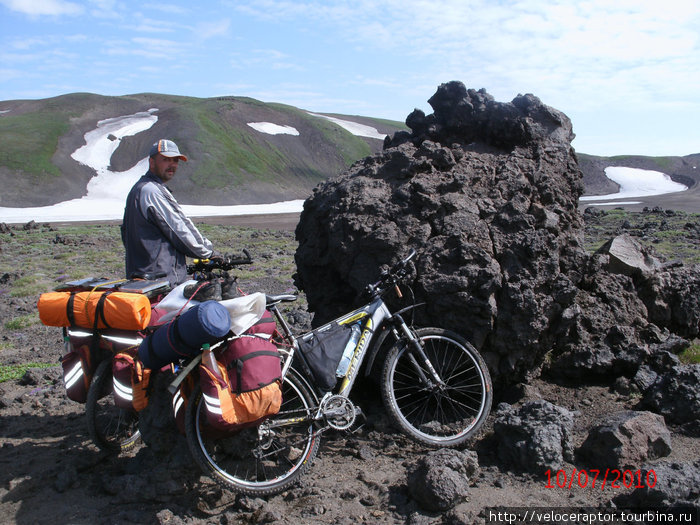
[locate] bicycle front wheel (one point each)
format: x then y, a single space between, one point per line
260 460
443 413
111 428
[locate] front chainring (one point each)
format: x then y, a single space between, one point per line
339 412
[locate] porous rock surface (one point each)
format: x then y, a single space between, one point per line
626 440
487 193
534 437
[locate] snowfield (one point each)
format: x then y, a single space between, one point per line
634 183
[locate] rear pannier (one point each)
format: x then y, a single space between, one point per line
78 364
130 381
241 383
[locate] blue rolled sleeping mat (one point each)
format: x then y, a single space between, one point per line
184 336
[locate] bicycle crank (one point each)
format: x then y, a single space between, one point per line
339 412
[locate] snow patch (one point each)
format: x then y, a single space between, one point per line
273 129
360 130
635 183
101 143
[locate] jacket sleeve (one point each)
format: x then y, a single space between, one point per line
161 208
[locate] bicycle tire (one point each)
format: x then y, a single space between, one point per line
112 429
444 416
260 460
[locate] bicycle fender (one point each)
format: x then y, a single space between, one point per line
409 308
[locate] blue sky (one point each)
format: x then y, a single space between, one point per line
627 72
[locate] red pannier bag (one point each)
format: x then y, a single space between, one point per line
241 386
78 364
265 327
130 380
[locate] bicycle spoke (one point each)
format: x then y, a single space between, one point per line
443 413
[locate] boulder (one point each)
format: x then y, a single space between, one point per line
628 257
675 395
535 437
441 479
626 440
665 484
487 193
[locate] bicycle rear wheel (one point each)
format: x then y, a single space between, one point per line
111 428
447 414
260 460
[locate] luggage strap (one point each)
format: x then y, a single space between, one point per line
99 314
100 310
69 309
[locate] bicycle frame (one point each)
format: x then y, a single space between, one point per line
375 314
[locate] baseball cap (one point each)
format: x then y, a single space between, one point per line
167 148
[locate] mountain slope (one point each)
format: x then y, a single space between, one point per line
230 162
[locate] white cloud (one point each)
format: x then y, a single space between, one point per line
206 30
265 58
151 48
43 7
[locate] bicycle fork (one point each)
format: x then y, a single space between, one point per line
416 356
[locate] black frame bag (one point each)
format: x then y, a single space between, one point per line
322 350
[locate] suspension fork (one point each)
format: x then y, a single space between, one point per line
416 355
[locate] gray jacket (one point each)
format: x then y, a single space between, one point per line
156 233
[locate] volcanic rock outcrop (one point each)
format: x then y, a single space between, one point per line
487 193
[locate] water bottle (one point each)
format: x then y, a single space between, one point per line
209 361
349 351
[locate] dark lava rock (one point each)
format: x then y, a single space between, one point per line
441 479
487 193
626 440
534 437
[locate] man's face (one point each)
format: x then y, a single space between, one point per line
164 167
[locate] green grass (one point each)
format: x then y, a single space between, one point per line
8 372
24 321
691 355
240 153
670 236
38 264
30 140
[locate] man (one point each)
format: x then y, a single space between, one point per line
156 233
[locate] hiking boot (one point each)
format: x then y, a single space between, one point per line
229 290
203 291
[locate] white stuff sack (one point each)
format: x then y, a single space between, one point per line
245 311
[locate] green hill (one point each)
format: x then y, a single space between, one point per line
230 162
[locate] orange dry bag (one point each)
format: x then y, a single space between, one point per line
97 310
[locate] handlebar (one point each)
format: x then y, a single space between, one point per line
225 262
391 277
